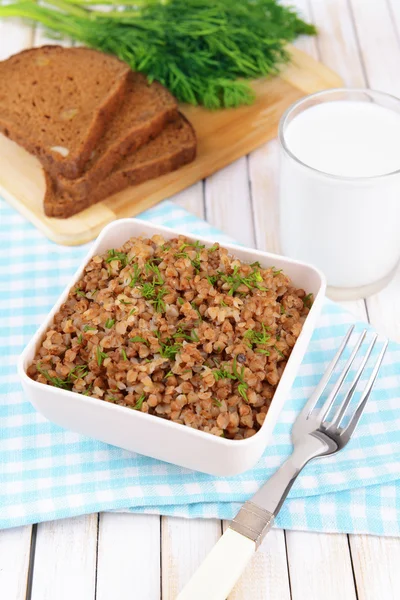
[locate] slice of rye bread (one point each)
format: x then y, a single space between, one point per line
56 102
143 114
173 148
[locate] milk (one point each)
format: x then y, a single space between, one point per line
340 209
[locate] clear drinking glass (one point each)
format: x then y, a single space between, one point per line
348 226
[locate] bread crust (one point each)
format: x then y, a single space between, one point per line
33 64
149 163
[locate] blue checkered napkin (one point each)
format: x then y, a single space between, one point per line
49 473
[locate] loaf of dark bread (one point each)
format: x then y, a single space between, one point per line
56 102
174 147
146 109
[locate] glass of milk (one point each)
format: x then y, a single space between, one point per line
340 188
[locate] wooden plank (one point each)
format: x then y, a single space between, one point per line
227 197
266 576
185 543
319 566
15 547
378 44
65 560
376 563
223 136
128 564
192 199
264 181
337 40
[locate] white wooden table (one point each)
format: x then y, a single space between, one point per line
129 557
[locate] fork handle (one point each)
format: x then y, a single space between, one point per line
223 566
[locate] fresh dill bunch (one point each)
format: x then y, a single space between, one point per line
203 51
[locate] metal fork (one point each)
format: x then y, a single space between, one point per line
315 434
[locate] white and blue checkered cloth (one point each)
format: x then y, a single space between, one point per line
49 473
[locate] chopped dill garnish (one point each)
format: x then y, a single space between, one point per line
122 301
78 372
112 398
223 373
196 308
123 353
308 300
262 351
136 277
138 338
213 248
243 386
180 301
276 272
79 292
235 280
282 311
109 323
132 311
279 352
100 355
257 337
256 264
79 338
151 267
169 374
89 328
139 402
114 255
180 333
216 402
212 279
170 348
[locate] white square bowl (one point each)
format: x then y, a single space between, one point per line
151 435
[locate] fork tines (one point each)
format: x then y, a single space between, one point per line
333 425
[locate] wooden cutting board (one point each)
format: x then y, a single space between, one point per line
223 136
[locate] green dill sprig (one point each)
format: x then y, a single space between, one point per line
202 51
109 323
138 338
114 255
136 277
139 403
212 279
308 300
123 354
235 280
100 355
78 372
257 337
169 348
223 373
80 293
